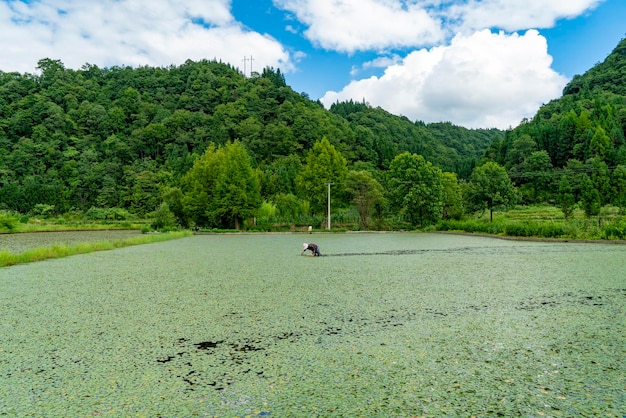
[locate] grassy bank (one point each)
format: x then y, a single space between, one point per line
8 258
543 222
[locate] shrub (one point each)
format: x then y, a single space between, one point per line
8 221
520 229
96 214
163 218
267 210
41 209
615 230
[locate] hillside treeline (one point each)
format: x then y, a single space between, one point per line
578 137
122 137
200 144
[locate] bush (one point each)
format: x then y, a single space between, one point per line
96 214
615 230
267 210
520 229
164 219
41 209
102 214
8 221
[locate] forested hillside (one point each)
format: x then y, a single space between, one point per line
122 137
582 134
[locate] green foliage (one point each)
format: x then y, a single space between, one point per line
566 197
471 225
614 230
8 221
125 137
534 229
163 218
490 186
324 164
42 209
267 210
590 198
416 189
103 214
588 124
452 197
366 194
619 186
221 189
288 206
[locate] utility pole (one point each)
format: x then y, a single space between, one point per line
329 205
245 60
244 65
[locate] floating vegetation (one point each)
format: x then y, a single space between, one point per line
234 325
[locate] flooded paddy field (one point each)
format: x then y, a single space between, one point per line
400 324
17 243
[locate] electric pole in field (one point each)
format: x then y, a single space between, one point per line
328 227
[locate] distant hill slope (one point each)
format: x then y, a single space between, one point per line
106 136
608 76
588 121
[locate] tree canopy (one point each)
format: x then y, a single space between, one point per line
124 136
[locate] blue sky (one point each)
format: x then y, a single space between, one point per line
475 63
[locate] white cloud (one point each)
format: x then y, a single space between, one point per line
357 25
514 15
129 32
482 80
382 62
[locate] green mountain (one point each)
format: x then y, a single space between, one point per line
118 137
588 121
581 134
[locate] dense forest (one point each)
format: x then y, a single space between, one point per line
74 140
578 137
200 144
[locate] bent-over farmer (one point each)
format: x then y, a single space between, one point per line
315 250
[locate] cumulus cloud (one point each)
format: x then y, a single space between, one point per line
482 80
513 15
129 32
358 25
441 58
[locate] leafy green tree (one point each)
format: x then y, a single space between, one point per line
600 144
590 198
279 177
198 186
144 192
324 164
619 185
600 177
539 171
163 217
566 198
452 197
173 196
415 188
288 206
520 150
366 193
490 186
237 191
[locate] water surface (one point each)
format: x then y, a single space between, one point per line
400 324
